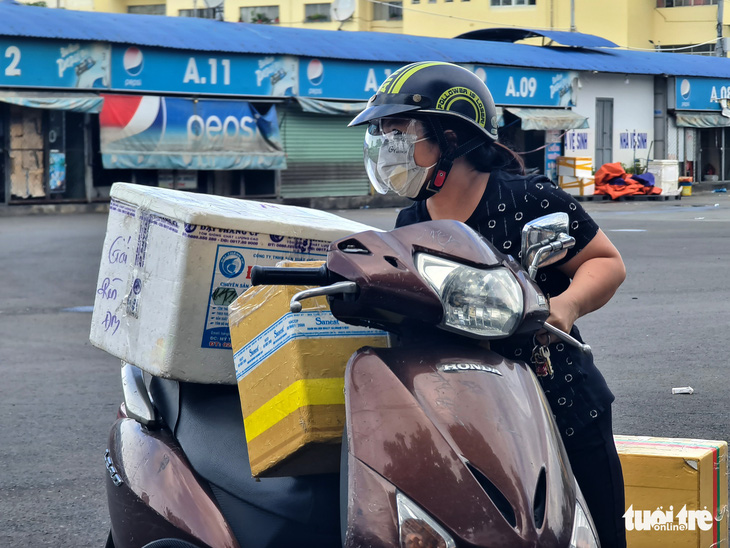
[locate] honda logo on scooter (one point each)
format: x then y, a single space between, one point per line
450 368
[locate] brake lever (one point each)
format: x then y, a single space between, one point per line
335 289
562 335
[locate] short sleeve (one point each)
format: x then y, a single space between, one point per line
544 197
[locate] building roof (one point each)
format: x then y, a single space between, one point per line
511 34
207 35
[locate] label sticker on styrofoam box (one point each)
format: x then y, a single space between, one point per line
236 254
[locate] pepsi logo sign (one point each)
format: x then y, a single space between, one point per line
315 72
685 89
133 61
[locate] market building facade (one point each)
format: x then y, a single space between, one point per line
262 111
645 24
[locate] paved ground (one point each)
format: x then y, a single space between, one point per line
667 324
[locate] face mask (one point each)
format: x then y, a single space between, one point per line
390 164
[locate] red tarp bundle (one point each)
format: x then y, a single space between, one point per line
611 179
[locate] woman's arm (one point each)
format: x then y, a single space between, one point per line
596 271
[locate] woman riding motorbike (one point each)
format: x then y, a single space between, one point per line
432 136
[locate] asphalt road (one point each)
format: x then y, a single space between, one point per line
666 327
667 324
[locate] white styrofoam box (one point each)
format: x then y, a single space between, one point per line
666 175
173 261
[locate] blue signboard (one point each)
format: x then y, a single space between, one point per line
334 79
54 64
701 93
62 64
512 86
552 152
154 69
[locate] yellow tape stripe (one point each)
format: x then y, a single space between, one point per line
576 184
403 78
329 391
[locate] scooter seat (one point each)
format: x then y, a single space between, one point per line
207 422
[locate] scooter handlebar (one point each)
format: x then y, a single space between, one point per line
275 275
568 339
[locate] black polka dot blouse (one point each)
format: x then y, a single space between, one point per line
577 392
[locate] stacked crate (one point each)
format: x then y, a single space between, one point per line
576 175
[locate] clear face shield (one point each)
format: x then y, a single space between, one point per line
389 148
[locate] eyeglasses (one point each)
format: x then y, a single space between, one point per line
397 126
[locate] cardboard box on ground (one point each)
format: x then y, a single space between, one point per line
25 151
173 261
676 491
575 175
290 369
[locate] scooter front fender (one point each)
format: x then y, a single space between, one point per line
153 492
465 434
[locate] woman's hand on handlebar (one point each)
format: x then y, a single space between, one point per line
563 315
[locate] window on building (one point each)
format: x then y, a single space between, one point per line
681 3
260 14
392 11
202 13
150 9
415 1
317 13
704 49
512 2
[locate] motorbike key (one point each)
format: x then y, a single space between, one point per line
541 360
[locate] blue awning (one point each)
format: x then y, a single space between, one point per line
549 118
76 102
686 118
318 106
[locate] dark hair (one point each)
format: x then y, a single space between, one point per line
489 156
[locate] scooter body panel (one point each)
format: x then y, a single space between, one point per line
159 496
447 425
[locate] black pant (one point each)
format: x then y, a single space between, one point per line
596 466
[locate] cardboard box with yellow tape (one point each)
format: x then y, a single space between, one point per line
676 491
581 166
577 186
290 371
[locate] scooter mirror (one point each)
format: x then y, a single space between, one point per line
541 233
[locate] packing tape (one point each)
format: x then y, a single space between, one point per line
304 392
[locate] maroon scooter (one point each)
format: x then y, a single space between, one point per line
447 443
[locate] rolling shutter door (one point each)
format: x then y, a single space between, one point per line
324 156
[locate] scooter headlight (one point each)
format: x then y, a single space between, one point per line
417 528
584 535
480 303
